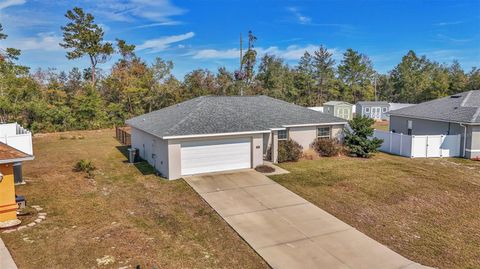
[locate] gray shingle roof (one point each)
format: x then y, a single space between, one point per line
334 103
373 103
463 107
227 114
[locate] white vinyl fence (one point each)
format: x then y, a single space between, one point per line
17 137
419 146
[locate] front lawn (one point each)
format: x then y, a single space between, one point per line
428 210
126 214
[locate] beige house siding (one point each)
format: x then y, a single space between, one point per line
303 135
473 142
306 135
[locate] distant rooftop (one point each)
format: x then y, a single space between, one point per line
373 103
334 103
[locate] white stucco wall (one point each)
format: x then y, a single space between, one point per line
152 149
165 155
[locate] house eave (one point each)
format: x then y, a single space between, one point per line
314 124
16 160
214 134
432 119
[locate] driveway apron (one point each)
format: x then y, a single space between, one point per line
287 230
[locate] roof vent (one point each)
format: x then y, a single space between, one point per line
455 96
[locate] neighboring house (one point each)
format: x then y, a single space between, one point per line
377 110
19 138
317 108
395 106
9 156
338 109
452 115
208 133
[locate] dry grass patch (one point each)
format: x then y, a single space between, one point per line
125 212
425 209
381 125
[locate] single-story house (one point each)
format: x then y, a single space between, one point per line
219 133
338 109
377 110
8 206
452 115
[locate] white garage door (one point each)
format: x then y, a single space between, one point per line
215 155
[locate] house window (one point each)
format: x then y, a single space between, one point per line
384 109
323 132
282 135
367 110
409 127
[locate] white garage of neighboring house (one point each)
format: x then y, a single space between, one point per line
210 134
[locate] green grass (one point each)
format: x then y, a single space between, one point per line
426 209
125 211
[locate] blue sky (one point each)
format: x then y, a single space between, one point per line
204 33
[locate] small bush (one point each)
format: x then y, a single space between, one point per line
265 169
327 147
85 166
289 151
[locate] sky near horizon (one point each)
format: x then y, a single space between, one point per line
205 33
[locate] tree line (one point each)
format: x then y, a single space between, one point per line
90 98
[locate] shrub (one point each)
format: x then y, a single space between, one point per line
358 139
85 166
289 150
327 147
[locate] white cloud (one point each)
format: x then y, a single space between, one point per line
9 3
162 43
42 41
217 54
293 52
448 23
300 18
160 11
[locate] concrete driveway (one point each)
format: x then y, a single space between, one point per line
287 230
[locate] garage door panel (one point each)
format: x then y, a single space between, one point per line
215 155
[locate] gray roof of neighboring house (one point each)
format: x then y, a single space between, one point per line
334 103
373 103
463 107
395 106
227 114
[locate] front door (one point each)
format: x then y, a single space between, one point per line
376 112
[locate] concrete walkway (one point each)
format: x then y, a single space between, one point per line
6 261
288 231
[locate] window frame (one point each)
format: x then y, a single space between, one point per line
324 136
286 135
384 109
367 109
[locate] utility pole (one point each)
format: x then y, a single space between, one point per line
241 64
241 52
375 86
